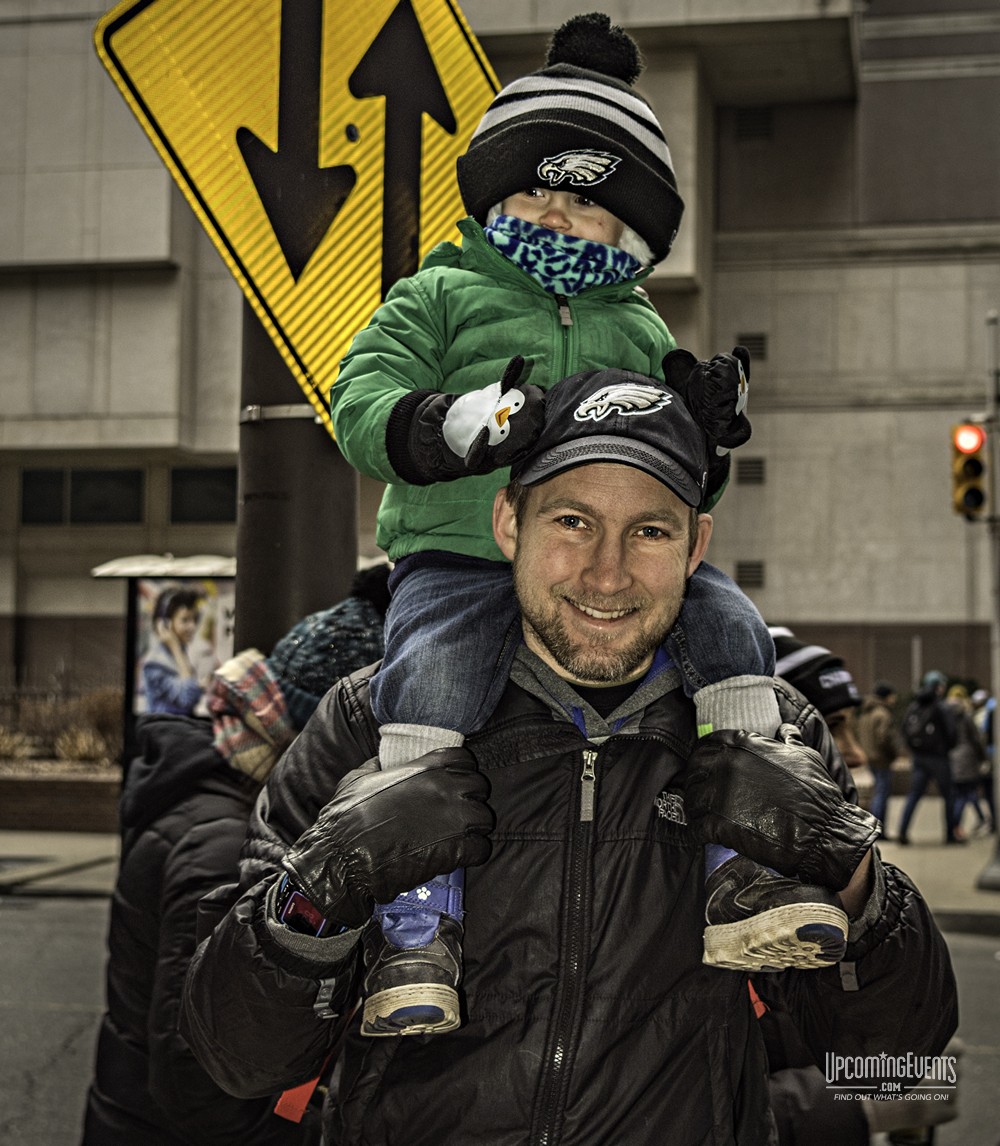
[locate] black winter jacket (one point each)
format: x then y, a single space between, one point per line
591 1019
184 813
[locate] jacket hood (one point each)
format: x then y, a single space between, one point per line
177 753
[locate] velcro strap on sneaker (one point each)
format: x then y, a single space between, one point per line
444 899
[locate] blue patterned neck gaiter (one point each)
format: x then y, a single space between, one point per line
560 264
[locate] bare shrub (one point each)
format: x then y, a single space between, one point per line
45 718
82 743
102 710
14 745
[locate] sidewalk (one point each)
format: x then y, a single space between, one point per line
76 864
80 864
946 876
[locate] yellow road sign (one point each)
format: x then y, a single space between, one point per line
316 147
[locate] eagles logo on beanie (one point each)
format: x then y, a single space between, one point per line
577 125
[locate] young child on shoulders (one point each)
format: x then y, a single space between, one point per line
572 200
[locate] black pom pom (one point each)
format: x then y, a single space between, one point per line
593 42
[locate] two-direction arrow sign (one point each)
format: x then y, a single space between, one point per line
318 149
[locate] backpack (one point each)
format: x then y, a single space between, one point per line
926 729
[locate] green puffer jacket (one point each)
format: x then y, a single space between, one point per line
453 327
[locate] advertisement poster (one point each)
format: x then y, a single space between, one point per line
184 631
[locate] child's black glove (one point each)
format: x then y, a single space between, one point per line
439 437
715 392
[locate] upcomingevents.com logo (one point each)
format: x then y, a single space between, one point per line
911 1077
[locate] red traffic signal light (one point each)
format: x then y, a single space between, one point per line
969 438
969 475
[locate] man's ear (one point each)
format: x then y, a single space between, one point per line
705 524
504 525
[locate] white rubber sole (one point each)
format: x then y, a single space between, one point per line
803 936
420 1009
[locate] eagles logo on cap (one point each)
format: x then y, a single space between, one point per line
587 423
626 398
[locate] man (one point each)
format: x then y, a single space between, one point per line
880 740
930 735
591 1017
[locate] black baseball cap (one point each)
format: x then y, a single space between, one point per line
622 417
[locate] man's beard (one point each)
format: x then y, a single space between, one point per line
593 660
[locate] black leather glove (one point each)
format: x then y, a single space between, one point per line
384 833
439 437
715 392
774 802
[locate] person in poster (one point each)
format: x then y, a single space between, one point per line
169 679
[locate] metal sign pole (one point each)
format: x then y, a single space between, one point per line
297 523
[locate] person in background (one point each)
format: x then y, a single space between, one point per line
985 707
880 740
825 681
807 1112
928 729
968 759
184 812
169 679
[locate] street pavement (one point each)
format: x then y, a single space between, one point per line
54 903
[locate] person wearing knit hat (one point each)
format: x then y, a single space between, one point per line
821 676
185 805
826 682
572 198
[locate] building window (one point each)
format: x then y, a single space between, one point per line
202 494
106 497
750 574
750 471
43 497
756 343
754 123
82 497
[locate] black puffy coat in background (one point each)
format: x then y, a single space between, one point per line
184 815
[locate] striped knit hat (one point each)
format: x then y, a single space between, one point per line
578 126
822 678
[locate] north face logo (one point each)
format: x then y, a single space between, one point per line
628 398
670 806
579 168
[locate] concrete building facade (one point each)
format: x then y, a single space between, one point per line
841 169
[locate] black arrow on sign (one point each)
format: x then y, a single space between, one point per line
301 199
399 66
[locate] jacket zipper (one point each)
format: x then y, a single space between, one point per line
566 328
588 785
575 928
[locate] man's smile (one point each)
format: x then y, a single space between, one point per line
598 614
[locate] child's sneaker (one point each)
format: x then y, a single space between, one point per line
761 921
412 990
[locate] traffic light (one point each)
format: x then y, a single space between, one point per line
969 474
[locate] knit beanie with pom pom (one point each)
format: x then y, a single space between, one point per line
577 125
